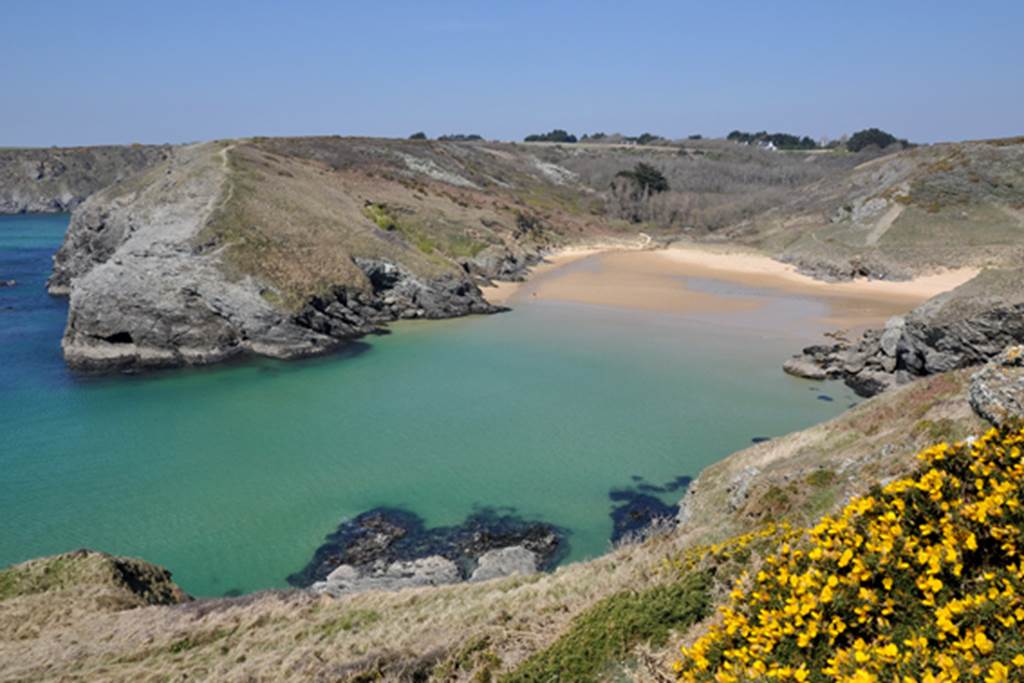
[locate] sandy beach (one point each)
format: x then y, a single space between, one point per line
705 280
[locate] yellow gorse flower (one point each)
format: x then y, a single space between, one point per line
920 581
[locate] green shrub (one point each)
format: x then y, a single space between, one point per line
607 632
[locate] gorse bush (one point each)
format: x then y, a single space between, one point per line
920 582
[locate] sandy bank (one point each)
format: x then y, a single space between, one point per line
703 280
767 272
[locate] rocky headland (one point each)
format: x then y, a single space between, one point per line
187 265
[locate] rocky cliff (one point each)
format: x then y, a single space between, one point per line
260 247
59 179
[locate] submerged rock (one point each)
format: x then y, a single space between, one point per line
8 283
637 510
386 548
997 390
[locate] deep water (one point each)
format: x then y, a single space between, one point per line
232 476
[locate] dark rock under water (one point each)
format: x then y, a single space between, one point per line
637 508
385 535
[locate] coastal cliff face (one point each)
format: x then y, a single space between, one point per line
229 248
59 179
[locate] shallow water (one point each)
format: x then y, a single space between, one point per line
231 476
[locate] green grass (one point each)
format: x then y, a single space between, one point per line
349 621
379 214
607 632
821 478
17 581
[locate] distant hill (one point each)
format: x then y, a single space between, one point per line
59 179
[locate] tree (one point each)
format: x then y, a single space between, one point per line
648 138
780 140
649 180
418 136
872 136
695 136
557 135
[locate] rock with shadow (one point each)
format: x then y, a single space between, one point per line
389 549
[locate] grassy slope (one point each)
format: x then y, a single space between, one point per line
522 626
939 206
298 210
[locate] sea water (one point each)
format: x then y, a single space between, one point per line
230 476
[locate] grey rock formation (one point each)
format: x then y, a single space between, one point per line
428 571
505 562
961 328
144 293
997 390
59 179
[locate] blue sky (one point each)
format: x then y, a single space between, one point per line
120 72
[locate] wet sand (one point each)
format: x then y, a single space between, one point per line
730 284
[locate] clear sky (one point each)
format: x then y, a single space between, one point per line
79 72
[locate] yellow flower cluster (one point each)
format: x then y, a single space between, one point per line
921 582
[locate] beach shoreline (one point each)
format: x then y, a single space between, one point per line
706 279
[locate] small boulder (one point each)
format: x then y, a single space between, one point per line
802 366
505 562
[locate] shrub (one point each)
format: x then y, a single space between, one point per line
557 135
460 137
919 581
872 136
418 136
608 631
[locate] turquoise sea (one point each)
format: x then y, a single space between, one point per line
231 476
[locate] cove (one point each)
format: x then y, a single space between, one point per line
232 476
